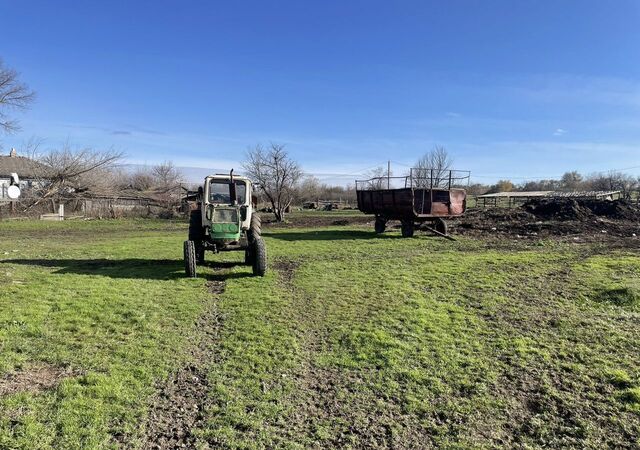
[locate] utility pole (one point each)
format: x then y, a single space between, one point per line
389 174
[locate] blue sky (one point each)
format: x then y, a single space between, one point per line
512 89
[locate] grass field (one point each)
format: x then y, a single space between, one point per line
351 340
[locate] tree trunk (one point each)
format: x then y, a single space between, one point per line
277 212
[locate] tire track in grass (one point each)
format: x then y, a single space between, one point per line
180 406
314 396
321 405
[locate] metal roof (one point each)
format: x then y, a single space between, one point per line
552 194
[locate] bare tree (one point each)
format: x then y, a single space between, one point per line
66 173
502 186
571 180
167 179
14 95
140 180
541 185
167 174
310 189
433 165
613 181
275 174
378 178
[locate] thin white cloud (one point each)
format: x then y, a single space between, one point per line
559 132
574 89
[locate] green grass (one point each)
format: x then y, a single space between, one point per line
351 340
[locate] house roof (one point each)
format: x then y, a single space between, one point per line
24 167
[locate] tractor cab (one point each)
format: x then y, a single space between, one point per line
226 206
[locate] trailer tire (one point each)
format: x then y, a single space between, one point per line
380 225
259 253
441 226
190 259
255 227
407 228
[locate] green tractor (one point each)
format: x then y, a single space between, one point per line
224 220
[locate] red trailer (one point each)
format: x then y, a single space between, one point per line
424 196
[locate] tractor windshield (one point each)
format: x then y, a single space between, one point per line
220 192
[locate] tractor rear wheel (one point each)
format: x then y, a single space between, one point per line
196 232
407 228
441 226
190 259
255 227
259 253
380 225
199 252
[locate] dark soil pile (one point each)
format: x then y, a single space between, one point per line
558 209
554 217
581 209
618 209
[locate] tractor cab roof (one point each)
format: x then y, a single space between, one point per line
226 177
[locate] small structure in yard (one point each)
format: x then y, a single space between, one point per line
55 216
25 168
510 199
423 196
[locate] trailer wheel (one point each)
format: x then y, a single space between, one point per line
407 228
190 259
259 253
380 225
441 226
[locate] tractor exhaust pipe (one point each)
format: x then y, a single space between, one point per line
232 188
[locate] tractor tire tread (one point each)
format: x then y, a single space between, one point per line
190 259
259 253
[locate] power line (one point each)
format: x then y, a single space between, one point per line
325 175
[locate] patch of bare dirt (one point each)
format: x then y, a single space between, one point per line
216 287
39 378
286 268
179 407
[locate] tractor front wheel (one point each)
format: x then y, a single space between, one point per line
190 259
259 253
